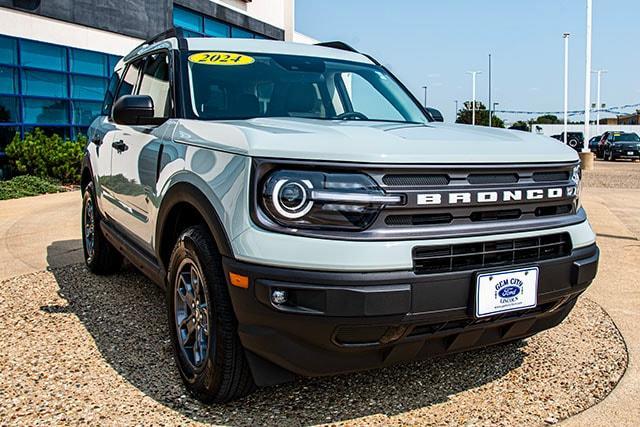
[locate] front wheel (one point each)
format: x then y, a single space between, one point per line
203 326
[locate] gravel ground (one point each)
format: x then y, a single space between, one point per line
618 174
81 349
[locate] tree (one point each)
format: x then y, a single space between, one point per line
482 115
521 125
547 119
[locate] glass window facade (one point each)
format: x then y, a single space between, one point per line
57 88
197 25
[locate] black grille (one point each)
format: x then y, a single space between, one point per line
550 176
442 259
505 178
409 180
421 219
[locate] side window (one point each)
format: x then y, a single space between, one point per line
130 79
155 83
111 92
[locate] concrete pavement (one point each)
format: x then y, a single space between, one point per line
28 226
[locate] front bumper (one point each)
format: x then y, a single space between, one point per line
343 322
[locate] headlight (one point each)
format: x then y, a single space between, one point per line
318 200
576 178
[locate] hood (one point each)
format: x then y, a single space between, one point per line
372 142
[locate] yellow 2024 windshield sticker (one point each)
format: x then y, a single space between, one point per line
221 58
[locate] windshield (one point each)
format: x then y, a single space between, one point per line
226 86
626 137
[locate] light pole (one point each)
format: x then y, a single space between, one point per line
599 104
587 78
566 84
425 96
495 104
473 102
490 109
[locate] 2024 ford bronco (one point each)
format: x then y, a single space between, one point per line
306 215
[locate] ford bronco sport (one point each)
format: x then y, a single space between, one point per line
306 215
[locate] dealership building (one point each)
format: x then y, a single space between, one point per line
56 55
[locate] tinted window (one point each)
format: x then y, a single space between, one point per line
111 92
8 51
86 62
626 137
155 83
266 85
40 55
130 80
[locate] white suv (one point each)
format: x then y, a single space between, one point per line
306 215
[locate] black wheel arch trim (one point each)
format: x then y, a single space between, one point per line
184 192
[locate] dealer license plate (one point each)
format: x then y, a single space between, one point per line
505 291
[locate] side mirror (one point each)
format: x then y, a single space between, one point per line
437 115
133 110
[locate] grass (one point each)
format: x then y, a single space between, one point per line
27 185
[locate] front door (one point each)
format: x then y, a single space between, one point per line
135 154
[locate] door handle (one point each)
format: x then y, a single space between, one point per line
120 146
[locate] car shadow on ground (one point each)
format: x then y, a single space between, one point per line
125 315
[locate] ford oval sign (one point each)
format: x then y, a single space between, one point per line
509 291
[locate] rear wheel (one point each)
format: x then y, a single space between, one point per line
99 255
203 327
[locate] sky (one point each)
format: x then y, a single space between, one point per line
436 42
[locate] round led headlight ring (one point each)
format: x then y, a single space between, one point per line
291 198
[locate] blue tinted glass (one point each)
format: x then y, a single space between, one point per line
8 50
188 33
45 111
88 87
239 33
260 36
8 80
86 62
188 20
43 83
40 55
8 109
214 28
85 112
113 60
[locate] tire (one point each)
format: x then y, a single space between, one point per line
218 372
99 255
573 143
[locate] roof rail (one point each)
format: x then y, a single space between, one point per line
170 33
337 45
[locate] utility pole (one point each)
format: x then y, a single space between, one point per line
495 104
599 104
566 85
473 102
490 109
456 116
587 79
425 96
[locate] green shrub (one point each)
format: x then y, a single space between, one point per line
47 156
26 185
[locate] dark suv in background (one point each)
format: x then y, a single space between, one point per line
619 145
575 140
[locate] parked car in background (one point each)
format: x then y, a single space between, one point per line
436 114
593 143
575 140
620 145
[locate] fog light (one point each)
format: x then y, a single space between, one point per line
279 297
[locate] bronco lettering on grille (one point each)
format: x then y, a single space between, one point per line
480 197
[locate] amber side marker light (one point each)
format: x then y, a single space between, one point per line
239 280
